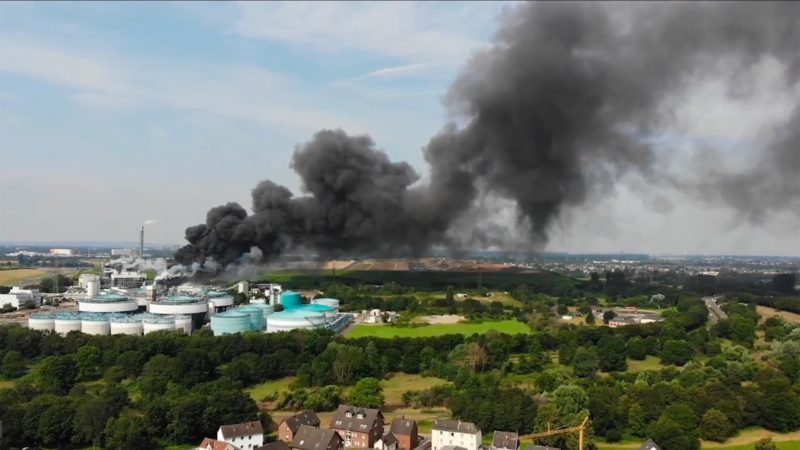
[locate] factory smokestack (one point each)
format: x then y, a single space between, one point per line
141 243
568 99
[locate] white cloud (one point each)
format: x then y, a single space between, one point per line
405 30
398 71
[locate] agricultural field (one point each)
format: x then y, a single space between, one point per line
465 328
12 276
767 312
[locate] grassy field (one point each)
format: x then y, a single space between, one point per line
649 363
397 384
6 384
9 277
767 312
466 328
745 440
270 387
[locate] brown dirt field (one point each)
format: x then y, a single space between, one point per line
767 312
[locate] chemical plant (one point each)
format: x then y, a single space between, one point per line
123 301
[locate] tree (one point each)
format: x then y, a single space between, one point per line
636 348
676 352
766 444
13 364
450 293
715 426
55 423
476 356
367 393
585 362
669 435
88 359
347 361
612 354
637 422
784 283
58 374
590 317
128 432
608 315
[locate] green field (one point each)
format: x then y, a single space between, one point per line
465 328
262 390
649 363
398 383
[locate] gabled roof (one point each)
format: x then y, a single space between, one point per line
505 439
277 445
214 444
307 417
242 429
389 439
368 419
456 425
403 426
649 445
312 438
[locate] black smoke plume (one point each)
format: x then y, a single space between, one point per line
564 102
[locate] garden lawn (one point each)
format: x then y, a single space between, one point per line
465 328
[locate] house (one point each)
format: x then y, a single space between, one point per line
505 440
313 438
277 445
358 427
621 321
649 445
214 444
449 433
288 428
403 435
246 436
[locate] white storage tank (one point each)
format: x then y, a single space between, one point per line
92 288
184 323
66 322
95 324
151 324
42 321
131 325
293 320
332 302
108 303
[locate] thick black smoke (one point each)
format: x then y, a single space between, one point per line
565 102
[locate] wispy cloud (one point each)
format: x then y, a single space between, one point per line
397 71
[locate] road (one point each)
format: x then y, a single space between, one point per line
714 312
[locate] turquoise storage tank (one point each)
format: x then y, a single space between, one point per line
230 322
257 322
291 300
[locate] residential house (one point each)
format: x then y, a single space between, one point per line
277 445
213 444
288 428
505 440
246 436
449 433
403 435
358 427
313 438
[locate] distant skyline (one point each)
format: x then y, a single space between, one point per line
113 114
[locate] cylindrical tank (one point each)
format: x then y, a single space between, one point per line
66 322
184 323
291 320
265 308
108 303
290 300
92 288
230 322
131 325
257 322
41 321
179 304
151 324
220 300
327 311
96 324
332 302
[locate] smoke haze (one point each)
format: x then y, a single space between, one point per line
566 101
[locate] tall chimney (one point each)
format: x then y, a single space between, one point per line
141 243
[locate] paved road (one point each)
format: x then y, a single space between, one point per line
714 312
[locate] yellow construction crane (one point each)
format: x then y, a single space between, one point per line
581 429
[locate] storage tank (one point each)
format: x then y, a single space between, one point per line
184 323
297 319
332 302
257 322
220 301
265 308
156 323
327 311
65 322
108 303
92 288
131 325
97 324
291 300
42 321
230 322
179 304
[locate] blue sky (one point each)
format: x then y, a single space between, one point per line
114 113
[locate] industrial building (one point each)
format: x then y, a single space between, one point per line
18 297
108 323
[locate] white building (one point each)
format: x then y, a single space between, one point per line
455 433
18 297
63 252
130 252
127 279
246 436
